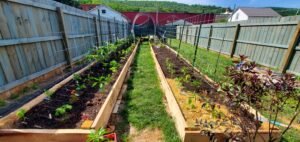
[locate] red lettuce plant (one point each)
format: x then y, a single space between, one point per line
249 86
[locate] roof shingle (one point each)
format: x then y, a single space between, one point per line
259 12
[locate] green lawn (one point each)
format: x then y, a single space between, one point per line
144 106
206 61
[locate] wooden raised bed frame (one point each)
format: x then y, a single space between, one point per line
65 135
186 133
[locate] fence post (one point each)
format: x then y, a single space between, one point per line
97 31
236 35
65 39
100 30
291 48
109 32
116 33
187 34
209 37
180 38
196 45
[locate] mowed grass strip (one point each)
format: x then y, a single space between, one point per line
206 61
144 106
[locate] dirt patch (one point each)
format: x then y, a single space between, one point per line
146 135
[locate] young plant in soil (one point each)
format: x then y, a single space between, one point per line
97 136
170 67
62 110
21 114
249 86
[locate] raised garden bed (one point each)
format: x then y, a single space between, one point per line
196 105
75 106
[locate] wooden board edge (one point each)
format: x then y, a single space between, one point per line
104 113
176 113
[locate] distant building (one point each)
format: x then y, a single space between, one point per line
179 23
105 11
247 13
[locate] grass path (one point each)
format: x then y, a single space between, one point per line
144 107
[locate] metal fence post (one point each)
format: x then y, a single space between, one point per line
97 31
66 46
187 34
236 35
116 27
100 30
209 37
291 49
109 32
196 44
181 34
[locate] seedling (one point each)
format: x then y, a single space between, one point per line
77 77
34 86
100 81
191 102
80 86
97 136
21 114
170 67
60 111
2 103
14 96
48 93
113 66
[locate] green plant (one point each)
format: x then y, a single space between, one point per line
100 81
60 111
80 86
113 66
14 96
77 77
97 136
170 67
191 101
21 114
48 93
2 103
34 86
73 99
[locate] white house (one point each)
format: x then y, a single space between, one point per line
179 23
108 12
246 13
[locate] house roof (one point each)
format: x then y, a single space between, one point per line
259 12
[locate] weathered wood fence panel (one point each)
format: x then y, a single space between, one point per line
262 40
33 42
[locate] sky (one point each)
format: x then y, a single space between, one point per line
245 3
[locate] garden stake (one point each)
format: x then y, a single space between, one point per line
196 45
218 59
180 39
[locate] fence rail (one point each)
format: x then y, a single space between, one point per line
38 36
272 43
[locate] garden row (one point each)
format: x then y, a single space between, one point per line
204 112
214 66
76 105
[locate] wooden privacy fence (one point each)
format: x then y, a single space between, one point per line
273 43
38 36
